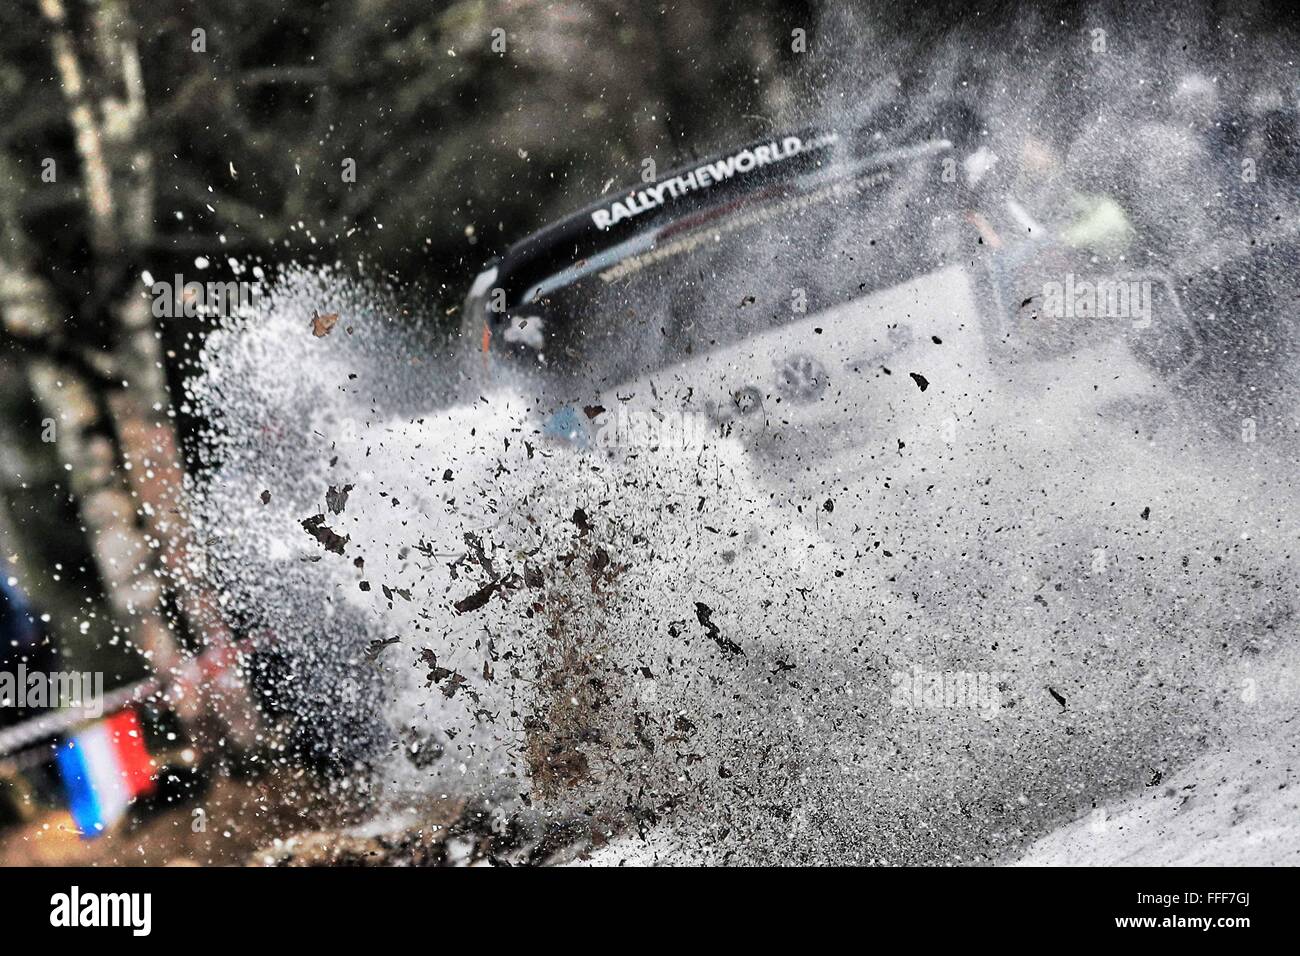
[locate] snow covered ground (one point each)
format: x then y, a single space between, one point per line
1238 805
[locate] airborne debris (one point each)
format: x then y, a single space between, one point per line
378 646
316 527
322 325
476 600
403 593
336 499
704 614
438 674
581 520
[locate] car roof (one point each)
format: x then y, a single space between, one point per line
578 235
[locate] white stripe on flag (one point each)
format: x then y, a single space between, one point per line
105 771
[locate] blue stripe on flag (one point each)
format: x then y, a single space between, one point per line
82 799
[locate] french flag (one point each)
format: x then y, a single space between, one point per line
104 768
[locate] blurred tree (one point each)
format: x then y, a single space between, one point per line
108 407
462 119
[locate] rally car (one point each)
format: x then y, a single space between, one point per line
829 298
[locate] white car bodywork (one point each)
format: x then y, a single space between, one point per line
826 401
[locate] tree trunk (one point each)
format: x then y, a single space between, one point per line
118 435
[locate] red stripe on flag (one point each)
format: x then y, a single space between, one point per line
128 740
